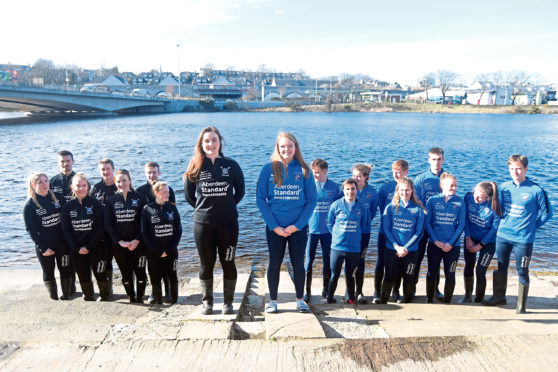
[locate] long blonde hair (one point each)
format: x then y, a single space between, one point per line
33 178
277 164
408 182
194 167
491 190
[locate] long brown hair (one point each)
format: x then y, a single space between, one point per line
126 173
408 182
33 178
491 190
194 167
277 164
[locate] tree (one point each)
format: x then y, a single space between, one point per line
445 78
519 80
426 82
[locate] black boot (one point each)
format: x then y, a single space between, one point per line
73 282
325 285
437 294
129 288
66 284
109 277
468 298
167 299
207 296
87 289
152 299
448 292
499 284
395 292
157 294
386 291
377 289
52 290
140 284
479 292
174 292
229 285
408 292
308 293
104 290
430 284
522 292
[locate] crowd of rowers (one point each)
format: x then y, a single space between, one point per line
80 228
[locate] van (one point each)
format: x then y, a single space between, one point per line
139 92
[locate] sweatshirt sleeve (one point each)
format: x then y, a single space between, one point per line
310 199
387 224
239 187
110 224
190 192
146 232
31 226
364 217
460 226
99 226
545 209
68 230
261 197
418 188
330 222
177 230
172 197
491 234
429 217
467 223
142 203
419 228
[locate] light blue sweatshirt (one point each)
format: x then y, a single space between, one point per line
427 184
368 197
481 222
403 226
346 224
326 195
445 221
385 196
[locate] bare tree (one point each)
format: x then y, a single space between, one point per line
425 82
444 79
519 79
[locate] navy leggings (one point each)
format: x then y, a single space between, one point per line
522 251
423 242
312 246
130 262
93 261
435 256
485 256
276 246
159 266
351 260
359 275
48 264
400 266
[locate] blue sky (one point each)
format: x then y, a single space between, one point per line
396 41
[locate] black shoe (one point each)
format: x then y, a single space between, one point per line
430 284
448 292
397 297
386 290
408 292
174 292
157 294
52 290
438 295
500 282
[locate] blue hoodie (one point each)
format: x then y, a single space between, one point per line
346 225
525 208
368 197
325 196
445 221
482 222
403 226
427 184
290 204
385 196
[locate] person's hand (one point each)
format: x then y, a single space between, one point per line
83 250
439 244
476 248
124 244
48 252
133 245
291 229
401 251
164 255
281 231
469 243
447 247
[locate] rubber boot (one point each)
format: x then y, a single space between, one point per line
499 284
468 298
167 298
386 291
395 291
437 294
129 288
52 290
174 292
73 282
308 293
104 290
66 284
325 285
448 292
377 289
479 292
157 294
430 284
140 284
408 292
522 292
152 298
87 289
207 296
109 277
229 286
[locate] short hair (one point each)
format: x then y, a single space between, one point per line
319 163
400 165
436 151
518 157
106 161
65 153
152 164
349 181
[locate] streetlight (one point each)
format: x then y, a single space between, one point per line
178 59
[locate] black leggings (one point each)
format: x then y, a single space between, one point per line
212 239
107 248
94 260
48 263
158 266
130 262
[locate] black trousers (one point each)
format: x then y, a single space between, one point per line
213 239
94 261
49 263
131 262
159 266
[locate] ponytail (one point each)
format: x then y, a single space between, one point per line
495 199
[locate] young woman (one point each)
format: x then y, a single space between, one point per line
368 196
345 220
403 222
214 185
42 221
481 224
123 223
445 221
83 226
286 197
161 232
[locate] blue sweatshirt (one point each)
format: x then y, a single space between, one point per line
445 221
368 197
346 225
481 223
290 204
385 196
325 196
403 226
525 208
427 184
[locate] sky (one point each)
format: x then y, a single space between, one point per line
395 41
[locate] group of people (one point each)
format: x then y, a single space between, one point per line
80 228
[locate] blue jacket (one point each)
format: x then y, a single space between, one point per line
325 196
445 221
368 197
345 225
427 185
290 204
385 196
403 226
525 208
482 222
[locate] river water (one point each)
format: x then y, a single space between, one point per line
476 146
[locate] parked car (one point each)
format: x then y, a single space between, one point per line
139 92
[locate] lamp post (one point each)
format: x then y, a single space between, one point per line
178 60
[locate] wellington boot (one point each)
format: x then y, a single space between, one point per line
308 293
87 289
66 284
468 298
448 292
386 291
207 296
104 290
140 284
73 281
325 285
174 292
168 298
129 288
522 292
152 300
500 282
157 293
408 292
377 288
52 291
430 284
229 286
479 292
109 277
396 296
437 294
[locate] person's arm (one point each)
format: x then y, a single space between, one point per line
310 197
467 222
141 204
110 223
176 230
68 230
429 218
261 198
545 209
172 197
146 233
460 226
388 214
99 229
330 222
239 187
418 231
32 227
190 192
489 236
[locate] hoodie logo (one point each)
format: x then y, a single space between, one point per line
73 214
88 210
225 171
524 196
297 177
170 216
56 204
41 212
135 202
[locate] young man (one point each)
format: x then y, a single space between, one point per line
152 172
61 182
427 184
399 170
525 208
327 192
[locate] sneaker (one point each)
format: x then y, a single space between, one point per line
351 302
302 307
361 299
271 307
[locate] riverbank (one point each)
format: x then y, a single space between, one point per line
80 336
